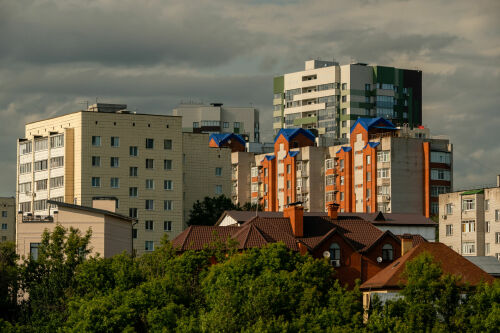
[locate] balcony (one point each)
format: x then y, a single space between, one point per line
37 219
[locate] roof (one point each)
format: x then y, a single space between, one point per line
371 144
345 148
222 138
196 237
451 263
290 133
369 123
293 153
489 264
415 239
90 209
481 191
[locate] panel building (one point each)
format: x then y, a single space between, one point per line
136 159
8 219
329 98
469 221
217 118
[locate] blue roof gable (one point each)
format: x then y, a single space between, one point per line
372 144
221 138
270 157
290 133
378 122
294 153
346 149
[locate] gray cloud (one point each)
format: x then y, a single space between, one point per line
153 54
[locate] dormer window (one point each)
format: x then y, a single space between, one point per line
335 254
387 253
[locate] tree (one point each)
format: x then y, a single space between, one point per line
208 211
8 280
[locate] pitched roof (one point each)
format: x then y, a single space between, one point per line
415 239
222 138
450 261
344 148
90 209
290 133
369 123
489 264
196 237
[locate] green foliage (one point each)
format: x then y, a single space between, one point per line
209 210
8 280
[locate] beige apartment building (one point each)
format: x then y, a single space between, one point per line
137 159
111 232
469 221
217 118
7 219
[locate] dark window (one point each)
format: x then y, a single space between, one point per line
387 252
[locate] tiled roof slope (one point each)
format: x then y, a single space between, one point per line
196 237
415 239
450 261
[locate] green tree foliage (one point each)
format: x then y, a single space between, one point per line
8 280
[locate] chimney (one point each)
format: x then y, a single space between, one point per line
108 204
333 211
406 244
296 215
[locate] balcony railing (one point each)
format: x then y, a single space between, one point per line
37 219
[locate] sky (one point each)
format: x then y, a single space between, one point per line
151 55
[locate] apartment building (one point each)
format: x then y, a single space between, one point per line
389 169
111 232
137 159
469 221
217 118
329 97
7 219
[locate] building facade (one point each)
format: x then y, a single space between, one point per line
469 221
329 97
216 118
8 219
110 152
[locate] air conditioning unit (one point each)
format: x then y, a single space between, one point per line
335 262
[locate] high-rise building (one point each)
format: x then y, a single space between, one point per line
216 118
469 221
329 98
7 219
136 159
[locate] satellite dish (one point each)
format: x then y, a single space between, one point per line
326 254
379 259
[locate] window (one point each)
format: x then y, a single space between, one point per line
341 180
41 184
150 184
25 187
383 190
167 164
387 252
40 204
344 123
133 171
4 213
134 233
440 174
150 204
56 182
96 141
57 141
115 141
344 86
468 204
167 185
434 208
167 144
440 157
218 171
96 182
149 225
96 161
368 192
167 204
149 246
167 225
226 124
132 191
383 173
25 148
115 182
367 87
150 143
341 196
335 254
486 204
497 237
368 159
236 125
132 212
449 230
344 99
218 189
368 176
449 208
114 162
487 226
57 162
41 144
149 163
469 226
133 150
41 165
34 250
196 124
288 184
4 226
487 248
437 190
25 168
468 247
344 111
497 255
383 156
497 215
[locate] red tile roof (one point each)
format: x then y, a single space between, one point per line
416 239
451 263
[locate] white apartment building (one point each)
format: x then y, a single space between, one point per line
217 118
469 221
